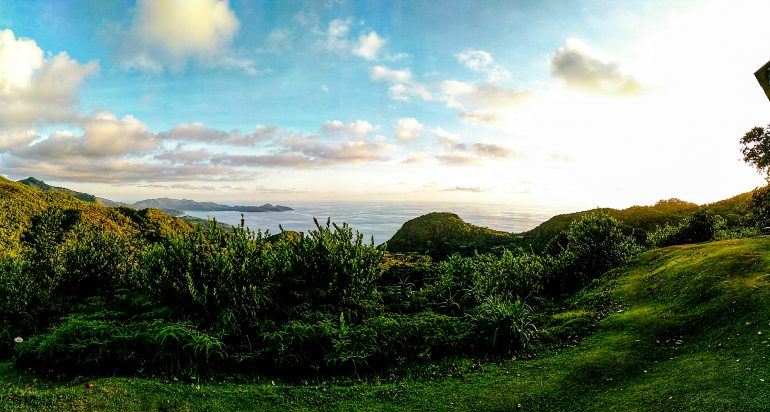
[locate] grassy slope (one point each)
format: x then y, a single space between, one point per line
692 335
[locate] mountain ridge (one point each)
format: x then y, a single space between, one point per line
174 207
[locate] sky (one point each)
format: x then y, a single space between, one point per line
529 103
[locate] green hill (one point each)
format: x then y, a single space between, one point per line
636 217
39 184
687 330
440 234
21 202
645 218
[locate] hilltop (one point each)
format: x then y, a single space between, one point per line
39 184
440 234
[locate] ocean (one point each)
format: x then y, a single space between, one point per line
382 220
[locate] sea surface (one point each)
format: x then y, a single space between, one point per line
382 220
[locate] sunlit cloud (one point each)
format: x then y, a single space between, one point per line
35 86
578 66
167 34
408 129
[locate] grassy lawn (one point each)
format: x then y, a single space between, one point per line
693 333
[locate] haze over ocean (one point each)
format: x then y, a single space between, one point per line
383 219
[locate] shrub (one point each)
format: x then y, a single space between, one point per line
18 296
101 343
330 269
298 345
94 262
700 226
502 325
758 208
589 246
386 340
211 275
401 281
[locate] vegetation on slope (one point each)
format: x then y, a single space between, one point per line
39 184
441 234
687 331
114 290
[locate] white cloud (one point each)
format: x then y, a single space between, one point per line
358 128
447 139
369 45
408 129
35 87
482 61
198 132
10 139
104 135
403 87
485 104
166 34
579 67
337 39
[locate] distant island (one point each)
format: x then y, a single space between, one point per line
191 205
174 207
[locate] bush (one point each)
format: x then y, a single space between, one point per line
700 226
386 340
503 326
330 269
758 208
18 297
101 343
402 280
94 262
590 246
211 275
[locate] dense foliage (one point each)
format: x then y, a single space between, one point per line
96 290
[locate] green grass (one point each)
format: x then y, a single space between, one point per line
690 330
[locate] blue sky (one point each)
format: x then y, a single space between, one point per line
530 102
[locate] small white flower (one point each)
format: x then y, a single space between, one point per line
18 339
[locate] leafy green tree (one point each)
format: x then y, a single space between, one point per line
755 147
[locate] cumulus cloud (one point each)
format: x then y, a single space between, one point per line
464 153
447 139
579 67
456 159
484 104
35 87
482 62
492 150
10 139
408 129
166 34
414 159
310 154
198 132
357 128
104 135
336 38
402 85
119 171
